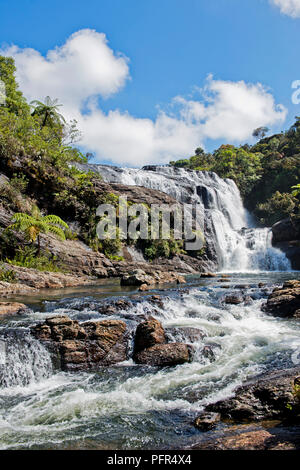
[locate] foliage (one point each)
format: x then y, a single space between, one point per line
28 257
279 206
48 112
7 275
35 224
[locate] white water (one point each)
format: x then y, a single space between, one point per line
134 408
23 360
223 216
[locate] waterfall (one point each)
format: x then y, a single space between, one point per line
231 236
23 360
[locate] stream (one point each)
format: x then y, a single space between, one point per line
129 406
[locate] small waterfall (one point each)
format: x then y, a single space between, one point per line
232 245
23 360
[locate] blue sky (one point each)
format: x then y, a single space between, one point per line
171 46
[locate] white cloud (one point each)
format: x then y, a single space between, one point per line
288 7
85 68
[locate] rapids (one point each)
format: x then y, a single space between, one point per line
134 407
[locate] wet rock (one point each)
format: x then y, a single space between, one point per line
207 421
254 437
284 301
184 333
248 300
208 352
144 287
136 278
156 300
85 345
165 355
208 275
148 334
234 299
12 308
270 396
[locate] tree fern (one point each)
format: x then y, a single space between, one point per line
35 224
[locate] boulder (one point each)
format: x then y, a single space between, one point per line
86 345
234 299
165 355
12 308
285 301
270 396
148 333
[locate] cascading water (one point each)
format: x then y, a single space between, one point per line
23 360
223 216
128 406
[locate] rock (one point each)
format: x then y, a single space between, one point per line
285 301
184 333
165 355
32 278
208 275
8 289
207 421
285 230
85 345
12 308
148 334
135 278
208 352
270 396
234 299
144 287
252 437
139 277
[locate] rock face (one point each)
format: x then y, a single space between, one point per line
150 346
86 345
12 308
272 396
284 301
284 231
286 236
44 279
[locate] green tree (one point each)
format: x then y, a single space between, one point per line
48 111
35 224
15 101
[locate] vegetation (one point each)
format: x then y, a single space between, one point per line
35 224
27 257
7 275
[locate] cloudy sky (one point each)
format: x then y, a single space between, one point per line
149 81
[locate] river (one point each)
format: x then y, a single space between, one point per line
130 406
